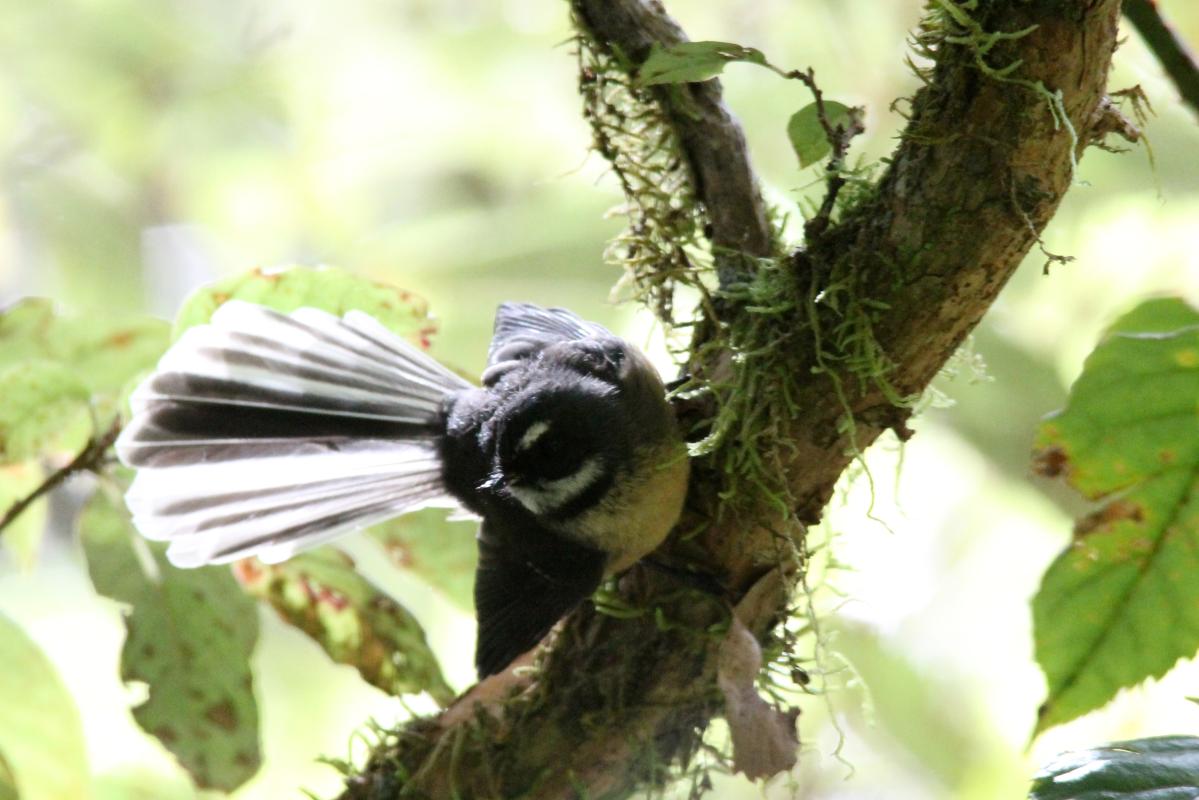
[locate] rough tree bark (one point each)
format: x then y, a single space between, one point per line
979 172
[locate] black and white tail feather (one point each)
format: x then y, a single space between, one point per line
264 433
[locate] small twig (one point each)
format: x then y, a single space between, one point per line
838 136
710 138
1165 43
88 459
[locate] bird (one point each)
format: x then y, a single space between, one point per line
263 433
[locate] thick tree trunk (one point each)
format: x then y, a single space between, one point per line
983 164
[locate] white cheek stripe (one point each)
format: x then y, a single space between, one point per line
556 493
535 432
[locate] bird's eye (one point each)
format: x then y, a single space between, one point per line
552 454
555 458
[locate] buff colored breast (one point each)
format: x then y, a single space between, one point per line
636 516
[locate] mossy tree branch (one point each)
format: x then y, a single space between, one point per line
981 168
722 177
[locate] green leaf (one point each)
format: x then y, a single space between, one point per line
108 353
692 62
104 352
190 634
41 738
326 288
45 408
353 620
1121 604
440 552
808 137
1161 768
24 328
23 534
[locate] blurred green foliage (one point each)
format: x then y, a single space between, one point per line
42 751
149 148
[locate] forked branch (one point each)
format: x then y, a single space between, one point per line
980 169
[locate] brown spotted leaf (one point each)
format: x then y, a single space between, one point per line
1121 604
103 353
764 740
439 551
190 633
45 409
336 291
353 620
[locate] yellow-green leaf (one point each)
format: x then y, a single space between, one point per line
353 620
190 634
107 353
1121 604
24 329
45 407
102 353
326 288
808 137
23 534
41 739
692 62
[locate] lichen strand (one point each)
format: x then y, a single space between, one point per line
662 248
755 312
745 354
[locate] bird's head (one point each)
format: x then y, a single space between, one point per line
560 446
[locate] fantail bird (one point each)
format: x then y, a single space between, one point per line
263 433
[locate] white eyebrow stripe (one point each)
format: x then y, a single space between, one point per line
534 432
554 494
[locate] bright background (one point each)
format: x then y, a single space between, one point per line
148 147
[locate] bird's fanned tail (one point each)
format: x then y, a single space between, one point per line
262 433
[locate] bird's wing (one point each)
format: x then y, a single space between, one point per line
523 329
262 433
521 591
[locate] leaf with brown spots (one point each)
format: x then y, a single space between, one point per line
1121 604
1050 462
336 291
439 551
45 409
354 621
102 353
189 637
57 375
